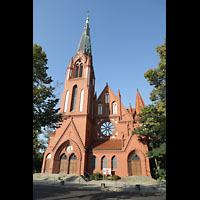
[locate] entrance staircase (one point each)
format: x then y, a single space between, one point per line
58 177
143 180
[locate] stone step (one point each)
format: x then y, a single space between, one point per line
144 180
46 176
56 177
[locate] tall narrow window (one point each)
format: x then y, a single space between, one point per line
114 162
104 162
86 72
94 162
81 101
114 107
74 96
99 109
77 69
89 100
106 97
81 70
88 81
66 101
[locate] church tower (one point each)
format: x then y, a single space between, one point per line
78 94
77 107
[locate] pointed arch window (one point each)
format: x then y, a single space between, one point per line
107 97
81 70
100 109
103 162
94 162
114 108
114 162
77 69
74 97
81 101
66 101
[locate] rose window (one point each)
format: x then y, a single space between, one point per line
107 128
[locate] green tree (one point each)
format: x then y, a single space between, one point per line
44 101
45 139
153 116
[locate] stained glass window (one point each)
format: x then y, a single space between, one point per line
107 128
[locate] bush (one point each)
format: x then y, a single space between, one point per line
161 174
96 176
115 177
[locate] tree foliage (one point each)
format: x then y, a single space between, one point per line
44 101
153 116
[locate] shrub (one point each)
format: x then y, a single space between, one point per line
96 176
161 174
115 177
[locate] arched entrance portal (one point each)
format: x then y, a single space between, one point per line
67 159
134 165
63 164
72 164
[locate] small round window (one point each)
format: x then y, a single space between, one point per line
107 128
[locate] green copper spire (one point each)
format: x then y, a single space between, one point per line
85 43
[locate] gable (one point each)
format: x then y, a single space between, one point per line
108 107
70 132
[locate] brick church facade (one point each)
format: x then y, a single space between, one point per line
96 131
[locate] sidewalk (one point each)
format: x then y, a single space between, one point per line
115 186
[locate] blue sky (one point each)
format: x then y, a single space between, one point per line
124 36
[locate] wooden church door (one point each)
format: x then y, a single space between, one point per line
72 164
63 164
135 166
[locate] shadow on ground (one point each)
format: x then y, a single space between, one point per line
61 193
